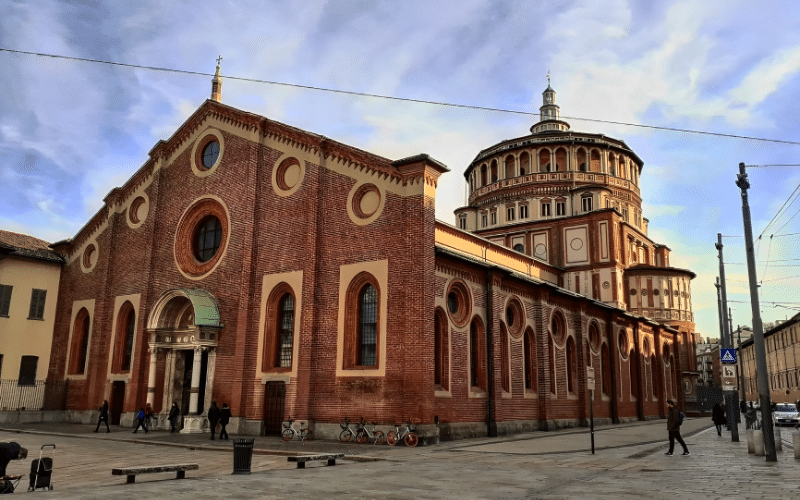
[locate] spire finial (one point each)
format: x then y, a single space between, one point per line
216 83
548 77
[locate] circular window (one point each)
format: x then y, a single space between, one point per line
210 154
633 291
644 292
676 293
366 201
519 247
137 212
540 249
558 328
594 337
623 344
666 293
655 291
576 244
89 258
459 302
515 317
201 238
606 285
207 239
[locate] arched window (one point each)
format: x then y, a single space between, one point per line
483 175
505 369
612 165
494 171
572 366
126 329
551 362
524 163
208 238
476 370
509 166
594 161
80 343
634 373
279 329
544 160
605 362
582 160
362 323
561 160
530 361
441 350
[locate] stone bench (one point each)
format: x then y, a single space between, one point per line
302 459
132 471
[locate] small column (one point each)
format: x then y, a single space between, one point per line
151 378
195 390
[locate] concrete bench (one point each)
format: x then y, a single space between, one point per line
302 459
132 471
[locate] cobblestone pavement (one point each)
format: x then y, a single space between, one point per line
629 463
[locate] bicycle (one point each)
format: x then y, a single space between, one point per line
407 435
289 432
363 434
347 433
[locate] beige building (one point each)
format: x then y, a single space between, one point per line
783 363
29 278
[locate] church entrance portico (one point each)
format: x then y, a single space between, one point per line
184 325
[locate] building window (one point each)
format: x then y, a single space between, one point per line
462 222
494 218
561 208
625 214
605 362
572 366
530 361
80 343
280 323
441 350
523 212
545 210
27 370
484 221
126 327
510 213
37 304
476 355
207 239
362 320
1 366
286 329
586 203
519 247
5 299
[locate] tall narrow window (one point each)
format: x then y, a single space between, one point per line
545 210
510 213
605 362
368 325
476 355
494 218
561 208
27 370
441 350
5 299
572 366
484 221
286 329
586 203
551 361
523 211
129 329
37 304
505 369
80 343
530 361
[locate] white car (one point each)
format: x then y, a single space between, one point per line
786 414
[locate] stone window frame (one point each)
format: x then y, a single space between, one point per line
353 315
79 345
441 350
476 347
122 339
38 301
458 292
184 244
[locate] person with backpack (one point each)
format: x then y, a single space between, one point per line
140 421
103 417
213 418
674 421
718 417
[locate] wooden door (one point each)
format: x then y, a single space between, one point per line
274 400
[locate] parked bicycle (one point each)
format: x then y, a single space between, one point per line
289 431
348 433
407 435
363 434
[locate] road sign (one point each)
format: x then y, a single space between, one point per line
590 378
727 356
729 377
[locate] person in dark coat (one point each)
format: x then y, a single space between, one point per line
718 417
213 418
103 416
8 452
174 413
674 428
224 418
140 421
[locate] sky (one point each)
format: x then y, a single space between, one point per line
70 131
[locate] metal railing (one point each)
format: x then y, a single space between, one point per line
41 395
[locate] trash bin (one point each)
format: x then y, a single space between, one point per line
242 455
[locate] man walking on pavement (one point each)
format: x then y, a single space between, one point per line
225 417
213 418
674 428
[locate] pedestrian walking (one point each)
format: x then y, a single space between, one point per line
674 428
140 421
148 415
224 418
103 416
174 413
718 417
213 418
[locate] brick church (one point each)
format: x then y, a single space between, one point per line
292 276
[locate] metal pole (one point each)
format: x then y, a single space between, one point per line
735 394
758 332
742 388
591 416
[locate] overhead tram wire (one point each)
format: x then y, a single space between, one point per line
780 210
394 98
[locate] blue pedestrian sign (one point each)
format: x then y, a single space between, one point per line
727 356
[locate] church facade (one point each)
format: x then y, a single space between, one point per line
292 276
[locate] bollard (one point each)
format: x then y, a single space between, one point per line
796 443
758 439
242 455
778 441
751 445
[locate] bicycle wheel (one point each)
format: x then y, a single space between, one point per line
380 437
346 435
391 438
411 440
287 434
306 434
362 436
